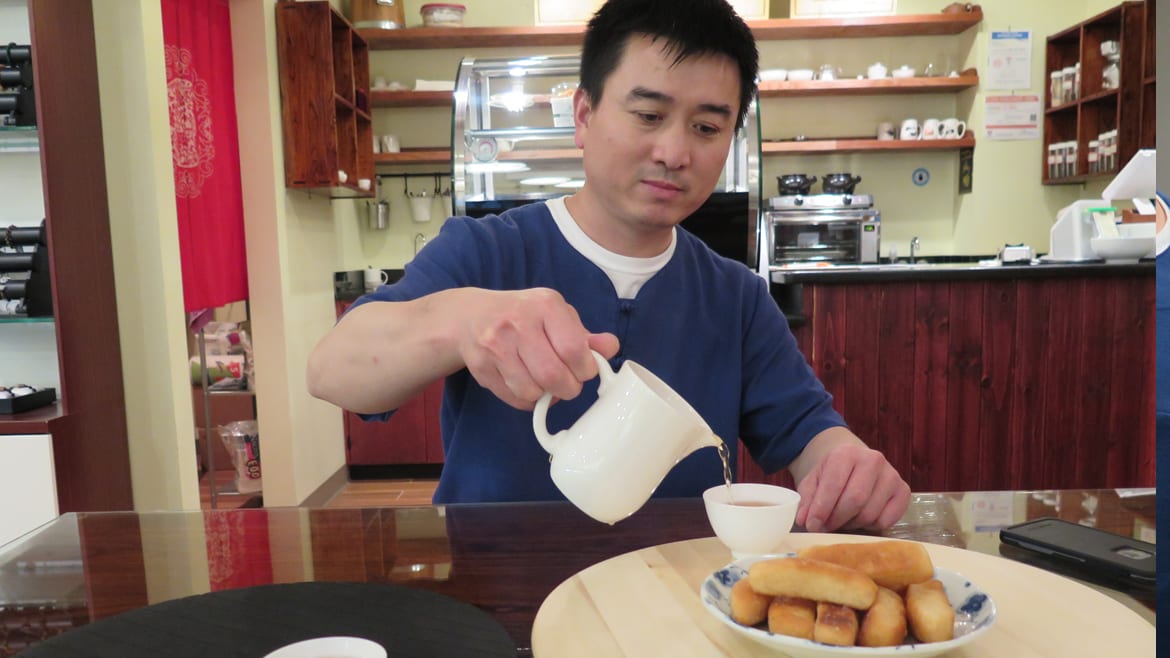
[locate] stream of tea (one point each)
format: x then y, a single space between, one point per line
725 457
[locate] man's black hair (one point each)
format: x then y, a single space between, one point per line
686 27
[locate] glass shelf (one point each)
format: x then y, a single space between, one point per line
5 319
19 139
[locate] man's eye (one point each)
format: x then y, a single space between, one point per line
705 129
648 117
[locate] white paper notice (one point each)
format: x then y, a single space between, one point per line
1011 117
1009 60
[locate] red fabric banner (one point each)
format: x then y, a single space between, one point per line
205 150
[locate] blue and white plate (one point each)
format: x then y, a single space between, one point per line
974 615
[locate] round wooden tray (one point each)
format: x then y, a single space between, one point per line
646 603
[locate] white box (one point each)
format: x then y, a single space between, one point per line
842 8
578 12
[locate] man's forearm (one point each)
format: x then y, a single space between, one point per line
383 353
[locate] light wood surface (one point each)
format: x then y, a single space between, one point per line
646 603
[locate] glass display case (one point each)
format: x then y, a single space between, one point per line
512 144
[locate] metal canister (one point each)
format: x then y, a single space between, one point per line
379 14
379 213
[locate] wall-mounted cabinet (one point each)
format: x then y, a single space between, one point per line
325 100
1100 95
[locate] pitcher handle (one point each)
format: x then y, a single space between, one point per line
540 412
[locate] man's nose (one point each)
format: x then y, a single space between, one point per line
672 147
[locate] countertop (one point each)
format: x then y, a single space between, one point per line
950 271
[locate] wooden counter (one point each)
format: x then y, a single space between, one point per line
1006 378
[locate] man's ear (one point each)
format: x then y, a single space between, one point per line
582 111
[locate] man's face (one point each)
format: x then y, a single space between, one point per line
657 140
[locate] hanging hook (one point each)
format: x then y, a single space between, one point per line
438 189
405 189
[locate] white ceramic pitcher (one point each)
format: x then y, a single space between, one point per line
617 453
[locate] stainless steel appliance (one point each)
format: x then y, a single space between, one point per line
512 144
821 228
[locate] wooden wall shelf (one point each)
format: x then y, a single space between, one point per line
441 155
864 87
855 145
787 89
422 38
410 98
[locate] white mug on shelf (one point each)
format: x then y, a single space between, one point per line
885 131
930 129
390 144
953 128
909 129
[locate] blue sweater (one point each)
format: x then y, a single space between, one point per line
704 324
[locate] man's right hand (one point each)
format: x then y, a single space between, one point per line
520 344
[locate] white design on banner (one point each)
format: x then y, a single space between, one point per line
192 147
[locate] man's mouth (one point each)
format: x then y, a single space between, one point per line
665 186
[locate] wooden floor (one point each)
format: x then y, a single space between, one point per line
360 493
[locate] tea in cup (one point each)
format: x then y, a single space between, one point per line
751 518
952 128
618 452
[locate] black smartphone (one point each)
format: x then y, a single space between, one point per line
1086 550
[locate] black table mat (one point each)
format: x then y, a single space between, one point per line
253 621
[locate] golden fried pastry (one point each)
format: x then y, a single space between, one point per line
836 624
792 616
891 563
812 579
932 619
884 624
748 607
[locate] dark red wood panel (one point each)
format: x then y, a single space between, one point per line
895 410
828 351
929 441
90 446
1028 376
995 378
1095 358
113 563
1061 391
964 387
861 367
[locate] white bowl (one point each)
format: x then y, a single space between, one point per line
1122 250
322 647
903 72
772 75
800 74
974 616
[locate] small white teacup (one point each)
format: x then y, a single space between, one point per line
326 647
751 518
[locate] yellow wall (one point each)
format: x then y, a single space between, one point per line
144 232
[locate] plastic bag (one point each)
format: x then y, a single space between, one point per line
242 440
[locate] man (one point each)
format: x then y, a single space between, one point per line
509 307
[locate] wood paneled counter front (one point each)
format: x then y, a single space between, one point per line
987 377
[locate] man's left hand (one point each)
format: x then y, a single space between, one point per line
851 487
